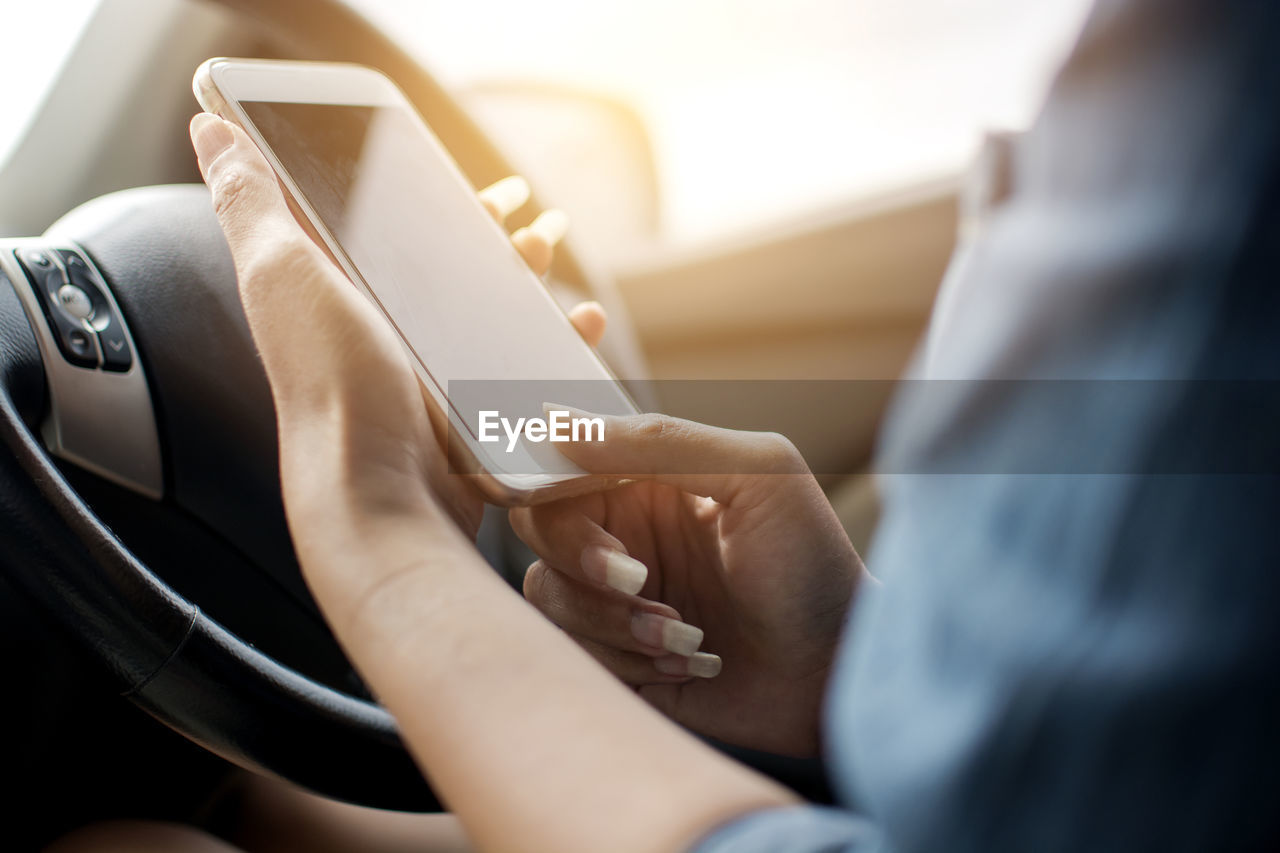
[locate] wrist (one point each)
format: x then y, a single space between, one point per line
333 461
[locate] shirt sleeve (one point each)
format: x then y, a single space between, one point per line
797 829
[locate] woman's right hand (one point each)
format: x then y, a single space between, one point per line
747 562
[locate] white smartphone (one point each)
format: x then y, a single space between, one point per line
488 340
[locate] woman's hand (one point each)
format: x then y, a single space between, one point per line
512 720
751 553
330 356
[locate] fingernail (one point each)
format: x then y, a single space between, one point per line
614 568
625 574
705 665
551 225
662 632
210 136
700 665
508 194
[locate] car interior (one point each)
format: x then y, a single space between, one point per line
159 631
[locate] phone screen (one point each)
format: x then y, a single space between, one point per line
444 273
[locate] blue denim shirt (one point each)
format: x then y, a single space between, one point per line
1077 642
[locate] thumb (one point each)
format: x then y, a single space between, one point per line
246 195
702 460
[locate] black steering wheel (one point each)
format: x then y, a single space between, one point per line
166 397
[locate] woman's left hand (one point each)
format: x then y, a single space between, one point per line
342 382
487 694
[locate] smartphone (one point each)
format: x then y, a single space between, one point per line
487 339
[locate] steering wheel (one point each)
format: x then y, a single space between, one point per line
123 350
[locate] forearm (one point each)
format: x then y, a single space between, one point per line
526 738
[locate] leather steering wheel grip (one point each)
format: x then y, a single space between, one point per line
156 246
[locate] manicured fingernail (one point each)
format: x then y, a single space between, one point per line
700 665
662 632
705 665
210 136
508 194
614 568
551 226
625 574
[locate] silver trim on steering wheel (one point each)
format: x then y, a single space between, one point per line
101 420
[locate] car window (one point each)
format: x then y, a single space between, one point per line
761 109
39 39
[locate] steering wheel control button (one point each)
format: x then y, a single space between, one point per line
76 340
75 302
115 349
86 281
80 275
73 261
75 265
80 343
101 317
